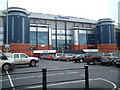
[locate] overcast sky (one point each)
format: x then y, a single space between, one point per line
91 9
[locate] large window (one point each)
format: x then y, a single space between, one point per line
61 44
40 38
43 38
91 39
82 39
33 37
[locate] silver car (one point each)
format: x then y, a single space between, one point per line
66 57
109 58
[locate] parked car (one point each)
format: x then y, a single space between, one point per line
22 58
117 61
78 57
42 57
56 56
49 57
5 62
66 57
93 57
108 58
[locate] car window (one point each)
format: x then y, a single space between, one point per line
107 54
59 54
16 55
1 54
93 54
23 56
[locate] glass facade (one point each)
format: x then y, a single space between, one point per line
39 38
82 39
91 39
57 31
43 38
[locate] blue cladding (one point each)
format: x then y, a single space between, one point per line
105 34
18 27
118 37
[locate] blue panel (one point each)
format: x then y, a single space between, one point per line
98 35
15 34
18 29
91 39
105 34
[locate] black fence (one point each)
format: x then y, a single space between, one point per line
44 78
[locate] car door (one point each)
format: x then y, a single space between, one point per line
17 58
1 61
24 58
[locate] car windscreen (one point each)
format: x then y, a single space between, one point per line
107 54
93 54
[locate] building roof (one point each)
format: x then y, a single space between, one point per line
53 17
61 18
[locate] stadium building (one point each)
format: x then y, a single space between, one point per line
26 31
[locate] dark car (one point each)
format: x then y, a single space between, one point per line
93 57
78 58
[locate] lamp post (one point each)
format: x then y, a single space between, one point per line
7 46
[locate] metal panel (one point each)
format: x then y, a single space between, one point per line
69 25
60 24
51 23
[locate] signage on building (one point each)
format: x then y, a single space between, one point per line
61 17
90 50
44 51
7 46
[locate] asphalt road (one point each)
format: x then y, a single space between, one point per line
105 77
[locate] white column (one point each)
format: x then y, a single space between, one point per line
50 36
75 37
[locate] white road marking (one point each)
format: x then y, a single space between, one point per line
78 81
114 86
72 72
41 76
11 82
108 82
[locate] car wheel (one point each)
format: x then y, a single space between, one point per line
32 63
116 65
88 63
95 62
6 67
67 59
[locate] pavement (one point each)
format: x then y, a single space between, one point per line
100 77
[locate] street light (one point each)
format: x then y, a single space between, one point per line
7 46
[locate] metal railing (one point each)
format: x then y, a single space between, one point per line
44 78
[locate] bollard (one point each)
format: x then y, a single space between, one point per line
86 78
44 79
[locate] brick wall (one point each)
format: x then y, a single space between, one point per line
107 48
25 48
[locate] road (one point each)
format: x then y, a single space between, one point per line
107 77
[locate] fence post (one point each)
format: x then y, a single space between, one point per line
86 78
44 79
